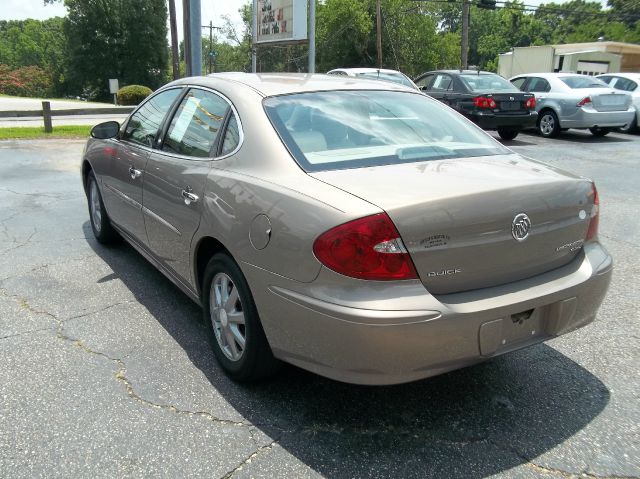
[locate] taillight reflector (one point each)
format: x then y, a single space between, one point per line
530 103
592 232
366 248
484 102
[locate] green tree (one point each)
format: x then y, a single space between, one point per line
25 43
124 39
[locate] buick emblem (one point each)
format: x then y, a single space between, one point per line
520 227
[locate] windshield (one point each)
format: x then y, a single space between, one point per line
386 76
485 82
357 129
579 81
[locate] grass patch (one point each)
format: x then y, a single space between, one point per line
62 131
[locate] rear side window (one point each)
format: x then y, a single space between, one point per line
231 136
195 124
143 126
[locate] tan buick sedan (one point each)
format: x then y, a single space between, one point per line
354 228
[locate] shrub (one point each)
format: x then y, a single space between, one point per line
133 94
26 81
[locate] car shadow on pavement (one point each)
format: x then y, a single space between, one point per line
473 422
578 136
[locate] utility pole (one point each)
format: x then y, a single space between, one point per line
211 52
464 43
379 33
254 34
312 36
195 20
186 25
175 54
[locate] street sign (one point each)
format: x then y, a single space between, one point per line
113 86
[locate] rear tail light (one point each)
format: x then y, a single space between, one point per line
586 100
366 248
531 103
484 102
592 232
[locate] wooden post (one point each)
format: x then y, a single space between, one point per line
46 114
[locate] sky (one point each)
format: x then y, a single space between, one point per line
212 10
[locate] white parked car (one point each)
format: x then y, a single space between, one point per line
629 82
383 74
569 100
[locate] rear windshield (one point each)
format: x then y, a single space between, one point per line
486 82
357 129
583 82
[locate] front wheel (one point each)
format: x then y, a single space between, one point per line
548 124
599 131
507 133
100 224
235 331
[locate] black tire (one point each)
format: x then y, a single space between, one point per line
599 132
255 360
507 133
98 217
548 124
631 127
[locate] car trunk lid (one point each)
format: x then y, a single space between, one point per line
456 216
608 99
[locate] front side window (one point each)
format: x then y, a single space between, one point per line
357 129
519 82
539 85
144 124
424 81
195 125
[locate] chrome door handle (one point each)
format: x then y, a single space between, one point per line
134 173
188 196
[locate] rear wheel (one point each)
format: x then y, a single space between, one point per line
507 133
548 124
599 131
631 127
235 332
100 224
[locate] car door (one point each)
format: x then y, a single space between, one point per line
541 88
123 180
175 178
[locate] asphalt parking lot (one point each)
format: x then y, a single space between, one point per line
105 370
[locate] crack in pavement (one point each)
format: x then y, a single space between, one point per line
262 449
38 195
120 374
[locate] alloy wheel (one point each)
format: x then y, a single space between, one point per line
94 203
227 316
547 124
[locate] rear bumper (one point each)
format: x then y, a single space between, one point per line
589 118
491 121
363 335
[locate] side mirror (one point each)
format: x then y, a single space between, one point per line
103 131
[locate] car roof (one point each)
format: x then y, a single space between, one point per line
366 70
269 84
630 76
458 72
550 75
